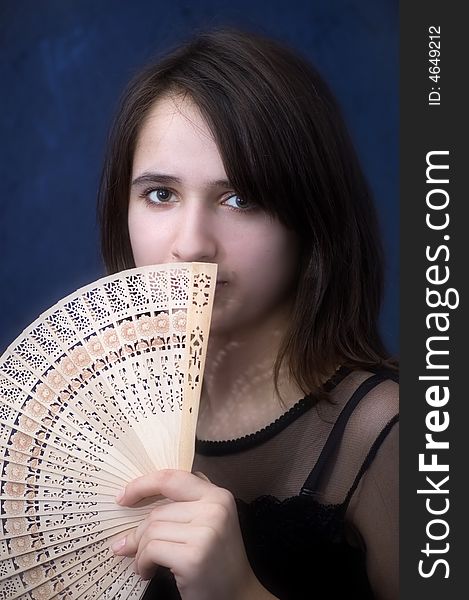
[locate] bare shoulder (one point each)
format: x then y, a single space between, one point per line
373 512
370 429
378 403
377 409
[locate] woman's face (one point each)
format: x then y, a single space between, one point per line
182 208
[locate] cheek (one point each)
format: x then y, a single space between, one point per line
269 259
278 271
138 237
148 238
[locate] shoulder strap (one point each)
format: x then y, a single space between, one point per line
370 457
312 482
387 373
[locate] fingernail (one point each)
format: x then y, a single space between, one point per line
120 495
117 546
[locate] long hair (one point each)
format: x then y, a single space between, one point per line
284 146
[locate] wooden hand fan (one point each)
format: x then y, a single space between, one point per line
101 388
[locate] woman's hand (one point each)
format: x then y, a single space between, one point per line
197 536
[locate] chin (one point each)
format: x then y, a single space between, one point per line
221 324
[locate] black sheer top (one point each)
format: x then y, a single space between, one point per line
307 531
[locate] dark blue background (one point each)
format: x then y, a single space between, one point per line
64 64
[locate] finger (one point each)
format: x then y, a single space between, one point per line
128 545
167 531
172 483
178 533
174 512
202 476
167 554
178 512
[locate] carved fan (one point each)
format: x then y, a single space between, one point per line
101 388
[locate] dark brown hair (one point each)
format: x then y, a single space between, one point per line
285 147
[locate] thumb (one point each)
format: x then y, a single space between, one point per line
202 476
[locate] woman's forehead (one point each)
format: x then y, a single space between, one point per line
175 115
175 139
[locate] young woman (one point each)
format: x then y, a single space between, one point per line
231 150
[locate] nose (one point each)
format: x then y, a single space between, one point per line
194 236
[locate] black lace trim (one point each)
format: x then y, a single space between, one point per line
300 514
297 546
223 447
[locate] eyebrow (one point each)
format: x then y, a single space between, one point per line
164 179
